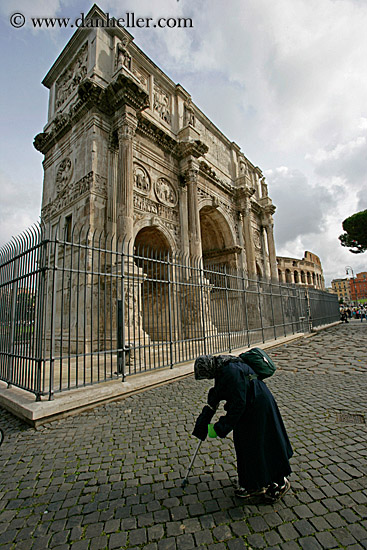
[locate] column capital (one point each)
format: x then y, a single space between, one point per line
191 175
189 171
127 124
267 221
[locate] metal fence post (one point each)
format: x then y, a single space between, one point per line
202 308
308 310
169 311
40 317
53 315
13 319
227 307
120 340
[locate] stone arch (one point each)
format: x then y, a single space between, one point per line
288 276
296 276
218 238
145 230
151 248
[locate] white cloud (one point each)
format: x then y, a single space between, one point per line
302 207
36 8
19 203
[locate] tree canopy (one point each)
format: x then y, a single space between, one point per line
355 236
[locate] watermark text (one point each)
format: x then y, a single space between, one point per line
129 21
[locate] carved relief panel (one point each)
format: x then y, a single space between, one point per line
142 76
165 192
71 77
63 174
141 180
154 195
162 104
257 239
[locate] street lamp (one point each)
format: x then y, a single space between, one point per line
348 269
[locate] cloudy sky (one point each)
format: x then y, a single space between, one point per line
285 80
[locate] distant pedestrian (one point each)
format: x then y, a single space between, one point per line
344 317
362 313
261 443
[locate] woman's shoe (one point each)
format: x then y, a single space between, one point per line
243 493
275 491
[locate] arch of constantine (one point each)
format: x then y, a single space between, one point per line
127 152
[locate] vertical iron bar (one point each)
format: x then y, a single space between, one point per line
169 311
123 311
227 308
40 323
272 308
201 283
53 317
13 318
120 342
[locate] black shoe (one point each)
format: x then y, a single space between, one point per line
243 493
275 492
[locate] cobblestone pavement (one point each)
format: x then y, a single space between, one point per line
111 477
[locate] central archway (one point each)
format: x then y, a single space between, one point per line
217 239
151 251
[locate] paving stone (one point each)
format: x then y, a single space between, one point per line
327 540
236 544
272 538
256 541
258 524
310 543
222 533
287 531
203 537
185 542
117 540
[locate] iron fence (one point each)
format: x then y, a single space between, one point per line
83 307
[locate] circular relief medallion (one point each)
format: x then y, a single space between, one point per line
141 180
64 173
257 239
165 192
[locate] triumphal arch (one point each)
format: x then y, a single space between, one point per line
128 153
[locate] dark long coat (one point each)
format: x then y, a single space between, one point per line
262 446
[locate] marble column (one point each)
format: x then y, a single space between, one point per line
184 222
191 178
112 187
269 228
127 124
249 240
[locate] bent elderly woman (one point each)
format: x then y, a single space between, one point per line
260 439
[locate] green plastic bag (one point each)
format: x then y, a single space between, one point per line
260 362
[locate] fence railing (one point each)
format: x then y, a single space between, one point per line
82 308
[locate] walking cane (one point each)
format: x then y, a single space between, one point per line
184 483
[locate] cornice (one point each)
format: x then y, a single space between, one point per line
209 174
194 149
148 129
122 91
222 252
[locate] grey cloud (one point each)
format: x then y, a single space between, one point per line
301 208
